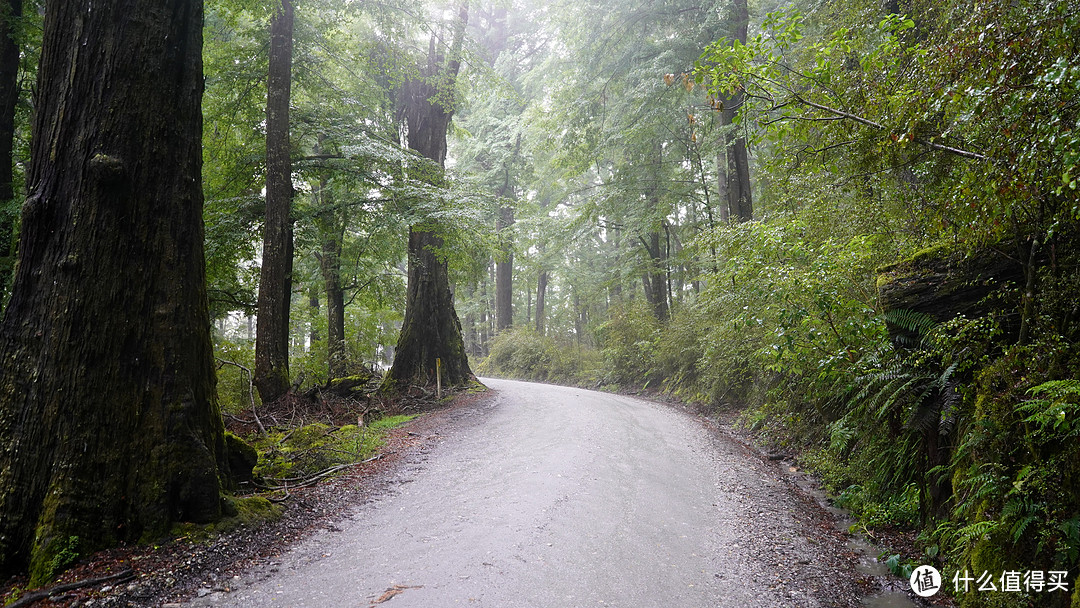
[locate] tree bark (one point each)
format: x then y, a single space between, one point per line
109 425
315 306
504 271
431 330
722 182
655 278
541 292
275 275
740 199
331 228
10 14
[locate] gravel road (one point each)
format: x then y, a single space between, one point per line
546 496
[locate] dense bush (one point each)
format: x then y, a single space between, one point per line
523 354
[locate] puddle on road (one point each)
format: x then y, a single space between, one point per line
868 564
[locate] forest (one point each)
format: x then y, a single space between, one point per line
854 222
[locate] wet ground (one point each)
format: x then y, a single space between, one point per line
554 496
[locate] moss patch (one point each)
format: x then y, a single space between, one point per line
291 455
246 511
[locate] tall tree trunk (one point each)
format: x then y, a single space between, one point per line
431 329
655 278
483 330
578 316
471 333
10 14
722 179
331 227
541 292
316 307
504 271
275 276
528 305
109 425
740 200
616 285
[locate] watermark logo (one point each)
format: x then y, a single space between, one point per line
925 581
1032 581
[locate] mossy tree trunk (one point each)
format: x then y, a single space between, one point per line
275 275
431 329
10 14
109 427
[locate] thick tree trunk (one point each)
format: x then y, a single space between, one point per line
10 14
109 426
504 271
275 277
431 330
541 292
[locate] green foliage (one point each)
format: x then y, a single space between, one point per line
523 354
292 455
900 567
1054 413
235 360
628 342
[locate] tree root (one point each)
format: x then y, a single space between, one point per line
37 596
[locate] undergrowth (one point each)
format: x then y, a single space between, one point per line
294 455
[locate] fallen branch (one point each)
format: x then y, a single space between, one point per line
303 482
37 596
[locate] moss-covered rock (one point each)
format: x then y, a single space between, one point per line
242 460
943 284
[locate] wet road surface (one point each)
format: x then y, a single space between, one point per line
560 497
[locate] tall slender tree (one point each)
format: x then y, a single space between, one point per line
275 279
109 427
431 330
10 14
735 178
330 225
541 296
